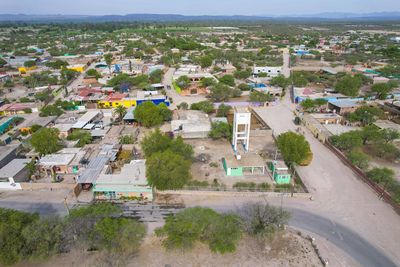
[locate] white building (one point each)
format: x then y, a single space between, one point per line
271 71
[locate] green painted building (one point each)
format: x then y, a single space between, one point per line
280 172
246 164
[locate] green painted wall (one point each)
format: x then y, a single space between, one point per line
282 178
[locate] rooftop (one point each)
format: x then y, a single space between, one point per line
247 160
385 124
344 103
13 168
133 173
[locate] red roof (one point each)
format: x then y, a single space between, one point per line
16 106
116 96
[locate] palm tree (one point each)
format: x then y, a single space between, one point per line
109 59
120 111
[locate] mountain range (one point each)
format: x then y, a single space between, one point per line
377 16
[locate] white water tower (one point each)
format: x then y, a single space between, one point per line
241 128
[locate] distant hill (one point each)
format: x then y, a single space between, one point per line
380 16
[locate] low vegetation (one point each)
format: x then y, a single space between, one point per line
25 236
222 231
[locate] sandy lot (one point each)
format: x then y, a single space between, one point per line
286 250
214 150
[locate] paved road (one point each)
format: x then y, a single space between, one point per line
341 236
286 63
338 194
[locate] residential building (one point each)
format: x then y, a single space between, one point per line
130 183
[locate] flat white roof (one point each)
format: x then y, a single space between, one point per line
56 159
133 173
85 119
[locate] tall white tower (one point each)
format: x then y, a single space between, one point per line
241 128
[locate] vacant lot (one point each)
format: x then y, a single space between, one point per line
209 154
288 249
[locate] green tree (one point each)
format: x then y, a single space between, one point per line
12 242
93 73
183 105
117 235
244 87
280 81
108 58
148 114
206 82
242 74
223 110
257 96
120 111
220 130
205 106
221 232
370 133
50 110
158 142
126 139
383 176
220 92
167 170
206 61
156 76
57 64
2 62
30 63
228 80
46 141
383 89
347 141
43 238
294 148
183 82
349 85
359 159
83 136
365 114
390 135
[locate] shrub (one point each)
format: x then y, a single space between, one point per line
205 106
220 231
359 159
262 220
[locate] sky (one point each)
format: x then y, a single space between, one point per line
195 7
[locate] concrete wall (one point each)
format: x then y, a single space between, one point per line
47 186
234 194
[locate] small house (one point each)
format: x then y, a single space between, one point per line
246 164
131 183
15 169
280 172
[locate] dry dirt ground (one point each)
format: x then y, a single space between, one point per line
215 150
286 250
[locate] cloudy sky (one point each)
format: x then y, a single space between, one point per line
195 7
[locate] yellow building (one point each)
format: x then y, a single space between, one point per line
24 70
126 102
79 68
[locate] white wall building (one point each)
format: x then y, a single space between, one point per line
271 71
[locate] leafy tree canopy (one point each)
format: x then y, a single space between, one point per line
294 148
